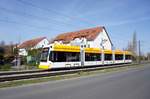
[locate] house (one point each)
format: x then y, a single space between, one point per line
92 37
32 44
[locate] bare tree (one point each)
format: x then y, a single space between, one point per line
2 43
134 44
129 47
2 52
148 56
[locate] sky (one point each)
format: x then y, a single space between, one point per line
22 20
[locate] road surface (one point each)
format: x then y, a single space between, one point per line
128 84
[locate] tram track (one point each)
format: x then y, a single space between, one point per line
19 75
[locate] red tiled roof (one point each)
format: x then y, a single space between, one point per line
90 34
31 43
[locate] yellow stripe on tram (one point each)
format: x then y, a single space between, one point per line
44 66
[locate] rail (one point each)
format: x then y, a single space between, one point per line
19 75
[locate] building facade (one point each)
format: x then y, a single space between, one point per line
92 37
32 44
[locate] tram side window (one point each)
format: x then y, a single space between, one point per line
57 57
92 57
108 57
72 56
64 56
119 57
128 57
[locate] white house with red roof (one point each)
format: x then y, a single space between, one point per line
32 44
92 37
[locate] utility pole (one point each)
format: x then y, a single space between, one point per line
18 56
82 53
139 59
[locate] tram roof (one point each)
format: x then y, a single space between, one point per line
108 51
127 52
66 48
69 48
118 51
93 50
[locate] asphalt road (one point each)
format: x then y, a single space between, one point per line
129 84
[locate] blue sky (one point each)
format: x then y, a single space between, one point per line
21 20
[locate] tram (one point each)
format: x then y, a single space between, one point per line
56 56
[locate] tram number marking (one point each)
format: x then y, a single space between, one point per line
68 65
76 64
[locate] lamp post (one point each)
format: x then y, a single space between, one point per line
82 53
103 41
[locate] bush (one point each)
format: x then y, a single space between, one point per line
33 58
5 67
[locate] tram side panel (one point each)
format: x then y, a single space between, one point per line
92 59
128 58
65 59
108 59
119 58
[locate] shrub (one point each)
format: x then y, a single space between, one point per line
5 67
